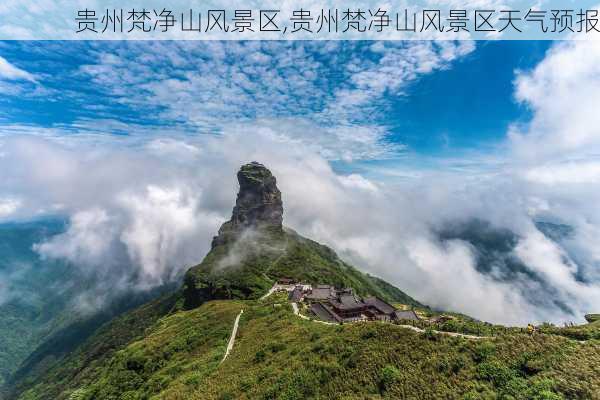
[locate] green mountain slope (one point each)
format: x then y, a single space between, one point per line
51 377
30 302
253 249
278 355
172 348
249 266
257 263
39 323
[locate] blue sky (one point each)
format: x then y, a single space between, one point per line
468 105
462 102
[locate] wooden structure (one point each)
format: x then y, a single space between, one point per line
343 305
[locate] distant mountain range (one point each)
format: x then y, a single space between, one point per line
31 298
494 247
38 317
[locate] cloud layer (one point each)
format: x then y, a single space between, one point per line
144 207
140 218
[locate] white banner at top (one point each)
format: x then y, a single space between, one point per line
299 20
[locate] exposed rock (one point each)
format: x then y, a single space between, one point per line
253 250
258 204
592 318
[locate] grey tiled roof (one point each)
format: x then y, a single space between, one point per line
320 293
406 315
296 294
380 305
347 302
325 313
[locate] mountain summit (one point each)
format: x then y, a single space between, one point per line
253 250
258 204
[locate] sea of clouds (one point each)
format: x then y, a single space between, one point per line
142 212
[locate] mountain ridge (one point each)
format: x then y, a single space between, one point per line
172 347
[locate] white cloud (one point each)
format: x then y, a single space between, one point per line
9 72
567 173
159 222
8 207
323 92
563 92
555 167
452 282
557 153
359 182
90 237
154 205
156 213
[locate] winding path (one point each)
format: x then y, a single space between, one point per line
413 328
297 312
270 292
456 334
233 334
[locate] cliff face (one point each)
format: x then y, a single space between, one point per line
258 204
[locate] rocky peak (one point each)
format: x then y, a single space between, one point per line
258 203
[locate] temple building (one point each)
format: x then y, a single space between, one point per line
343 305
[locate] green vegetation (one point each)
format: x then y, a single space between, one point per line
38 323
248 267
30 306
240 269
53 373
578 332
172 347
280 356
